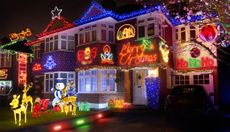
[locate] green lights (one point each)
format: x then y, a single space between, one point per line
80 121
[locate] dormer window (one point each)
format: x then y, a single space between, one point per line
183 35
192 32
151 29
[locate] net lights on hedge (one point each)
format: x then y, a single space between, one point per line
50 64
107 56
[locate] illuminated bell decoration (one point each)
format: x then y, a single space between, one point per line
208 33
50 64
195 52
107 56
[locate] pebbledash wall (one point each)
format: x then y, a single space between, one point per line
115 53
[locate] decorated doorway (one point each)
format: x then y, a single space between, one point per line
139 89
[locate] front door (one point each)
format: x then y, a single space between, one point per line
139 89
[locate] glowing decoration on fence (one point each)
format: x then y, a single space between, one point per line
23 34
195 52
27 99
37 67
107 56
208 33
134 55
50 64
3 73
116 103
84 106
204 62
22 68
126 31
164 50
87 55
56 12
153 87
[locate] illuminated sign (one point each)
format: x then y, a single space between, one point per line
125 31
3 73
204 62
134 55
164 50
22 68
56 12
208 33
37 67
23 34
87 55
107 56
50 64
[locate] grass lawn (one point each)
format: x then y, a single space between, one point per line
7 118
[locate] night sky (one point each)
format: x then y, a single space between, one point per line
17 15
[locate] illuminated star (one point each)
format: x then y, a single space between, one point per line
56 12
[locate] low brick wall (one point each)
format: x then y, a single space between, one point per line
99 97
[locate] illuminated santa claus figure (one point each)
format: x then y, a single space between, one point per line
107 56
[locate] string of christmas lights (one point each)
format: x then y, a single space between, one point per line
152 88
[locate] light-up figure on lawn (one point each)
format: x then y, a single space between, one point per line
58 94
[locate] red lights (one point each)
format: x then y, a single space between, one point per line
22 68
37 67
99 116
208 33
57 128
87 55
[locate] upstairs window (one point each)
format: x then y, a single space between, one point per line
192 32
87 37
103 35
94 35
151 29
141 31
81 40
111 36
183 35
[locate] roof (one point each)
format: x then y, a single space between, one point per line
96 12
56 25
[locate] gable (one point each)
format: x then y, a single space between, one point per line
95 10
56 25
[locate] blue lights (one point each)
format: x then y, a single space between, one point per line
108 13
152 88
50 64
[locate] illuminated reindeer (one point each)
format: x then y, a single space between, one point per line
26 99
15 102
20 111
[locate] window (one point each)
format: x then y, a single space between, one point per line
192 32
5 59
111 36
176 34
37 52
51 43
94 35
87 37
103 34
88 81
56 42
151 29
141 31
81 38
201 79
71 42
183 35
181 80
52 78
67 42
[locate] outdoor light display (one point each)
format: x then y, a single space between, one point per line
107 56
208 33
40 105
135 54
116 103
126 31
87 55
22 68
22 35
27 99
37 67
152 88
3 73
164 50
50 64
56 12
195 52
84 106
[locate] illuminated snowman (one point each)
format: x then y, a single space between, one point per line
58 93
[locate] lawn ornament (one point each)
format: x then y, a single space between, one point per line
84 106
15 102
116 103
59 93
19 112
40 105
27 99
71 101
